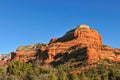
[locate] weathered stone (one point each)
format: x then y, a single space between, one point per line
24 56
27 53
109 53
30 47
93 54
82 40
82 35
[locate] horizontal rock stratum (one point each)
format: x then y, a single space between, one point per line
82 40
80 36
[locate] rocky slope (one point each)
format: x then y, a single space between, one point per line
81 43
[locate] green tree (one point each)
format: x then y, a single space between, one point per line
20 69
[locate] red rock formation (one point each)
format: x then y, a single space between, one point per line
93 54
53 40
109 53
78 36
27 53
24 56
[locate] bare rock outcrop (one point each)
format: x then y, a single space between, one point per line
26 53
80 36
109 53
82 41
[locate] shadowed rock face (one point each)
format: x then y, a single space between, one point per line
24 56
80 36
81 43
26 53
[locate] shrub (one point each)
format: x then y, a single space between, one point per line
61 73
20 69
2 71
73 76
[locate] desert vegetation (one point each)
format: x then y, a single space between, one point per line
102 70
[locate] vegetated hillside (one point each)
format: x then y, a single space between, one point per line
101 70
78 55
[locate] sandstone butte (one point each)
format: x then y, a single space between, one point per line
82 40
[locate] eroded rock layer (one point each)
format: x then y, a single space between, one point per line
80 36
82 43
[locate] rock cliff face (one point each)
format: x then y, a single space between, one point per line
82 43
24 56
109 53
26 53
80 36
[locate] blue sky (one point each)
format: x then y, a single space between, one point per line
24 22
